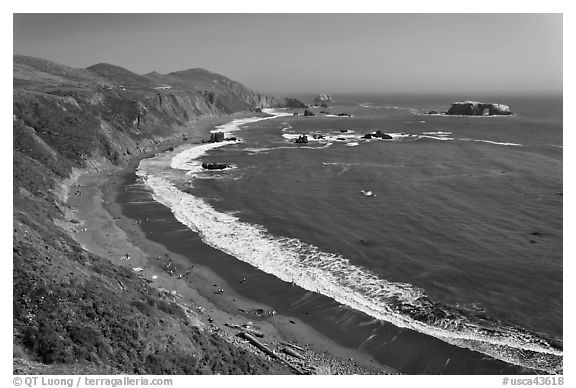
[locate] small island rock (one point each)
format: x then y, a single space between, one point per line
474 108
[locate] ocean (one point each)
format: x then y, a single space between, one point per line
436 251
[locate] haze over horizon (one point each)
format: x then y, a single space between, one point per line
310 53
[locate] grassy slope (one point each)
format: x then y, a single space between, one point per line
75 312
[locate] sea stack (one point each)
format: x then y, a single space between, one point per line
302 139
474 108
215 166
216 137
322 99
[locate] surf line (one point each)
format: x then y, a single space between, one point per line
186 160
292 260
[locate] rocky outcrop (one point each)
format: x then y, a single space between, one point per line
474 108
215 166
308 113
378 134
294 103
303 139
322 98
217 137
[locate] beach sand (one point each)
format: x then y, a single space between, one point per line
101 228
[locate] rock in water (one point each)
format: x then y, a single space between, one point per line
308 113
322 98
382 135
303 139
216 137
377 134
474 108
215 166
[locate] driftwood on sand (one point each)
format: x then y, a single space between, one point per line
269 352
246 329
292 353
293 346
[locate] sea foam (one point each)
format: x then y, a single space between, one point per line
332 275
402 304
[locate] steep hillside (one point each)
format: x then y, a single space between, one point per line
121 76
226 94
74 311
38 72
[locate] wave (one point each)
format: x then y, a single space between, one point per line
349 137
186 160
444 136
341 136
298 147
332 275
236 124
435 137
494 142
399 135
402 304
436 133
370 105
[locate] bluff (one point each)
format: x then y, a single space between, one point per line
68 313
474 108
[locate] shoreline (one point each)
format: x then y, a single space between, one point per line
105 231
287 301
208 270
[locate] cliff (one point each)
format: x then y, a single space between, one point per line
473 108
68 310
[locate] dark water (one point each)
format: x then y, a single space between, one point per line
460 244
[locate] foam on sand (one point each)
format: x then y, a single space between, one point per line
402 304
186 160
332 275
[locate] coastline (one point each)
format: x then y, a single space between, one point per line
103 229
149 232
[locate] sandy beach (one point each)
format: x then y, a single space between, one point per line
100 227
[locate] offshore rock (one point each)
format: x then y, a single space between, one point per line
378 134
322 98
216 137
308 113
303 139
215 166
474 108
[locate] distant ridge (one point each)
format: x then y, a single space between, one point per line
120 75
42 71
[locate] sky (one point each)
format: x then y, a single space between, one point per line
311 53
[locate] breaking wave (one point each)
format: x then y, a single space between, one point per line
494 142
332 275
